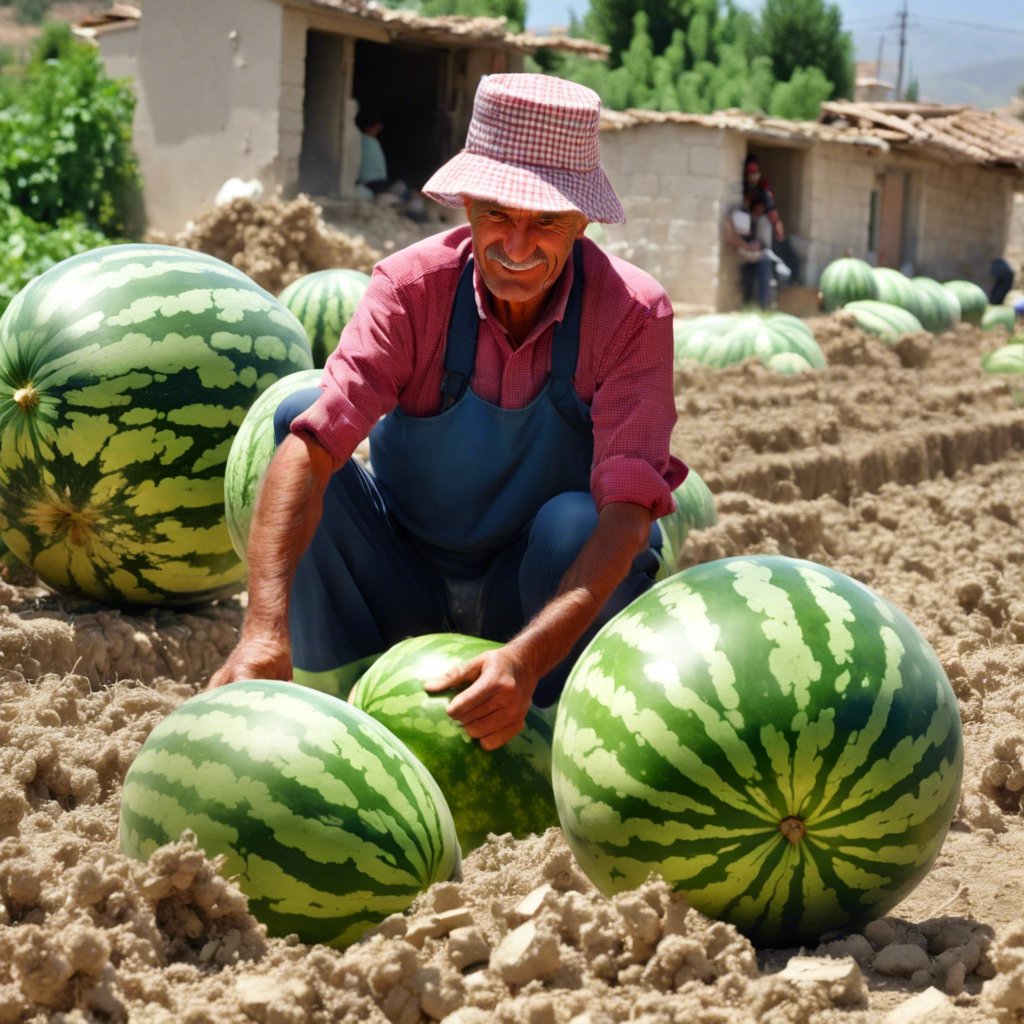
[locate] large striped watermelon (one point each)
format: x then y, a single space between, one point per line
999 316
939 307
972 299
251 452
324 302
124 374
775 739
723 339
695 510
883 319
503 790
846 280
1008 360
898 290
328 821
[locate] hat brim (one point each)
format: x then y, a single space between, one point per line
525 187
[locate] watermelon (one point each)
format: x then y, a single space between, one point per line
940 309
1008 360
721 340
972 299
898 290
887 321
788 363
846 280
324 302
124 374
503 790
251 452
695 510
328 822
776 740
999 316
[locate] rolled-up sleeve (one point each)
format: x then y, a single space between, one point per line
634 411
366 372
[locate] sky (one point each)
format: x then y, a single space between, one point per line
941 33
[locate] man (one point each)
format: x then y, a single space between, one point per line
749 231
525 383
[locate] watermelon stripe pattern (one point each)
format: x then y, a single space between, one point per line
251 451
721 339
504 790
124 374
324 302
883 319
798 780
328 821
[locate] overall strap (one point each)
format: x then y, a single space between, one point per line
565 349
460 345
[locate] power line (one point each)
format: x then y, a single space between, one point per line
1004 29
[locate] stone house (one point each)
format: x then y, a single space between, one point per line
921 187
269 89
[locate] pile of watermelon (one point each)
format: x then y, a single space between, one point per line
889 304
782 342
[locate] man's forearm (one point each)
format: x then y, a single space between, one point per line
287 513
622 532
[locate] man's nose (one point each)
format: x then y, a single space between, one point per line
518 242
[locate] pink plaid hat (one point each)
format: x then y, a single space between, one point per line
532 145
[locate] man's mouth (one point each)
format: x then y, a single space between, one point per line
496 253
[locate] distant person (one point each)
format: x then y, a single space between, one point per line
755 184
757 188
1002 281
749 231
373 165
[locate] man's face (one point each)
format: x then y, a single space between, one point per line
752 173
521 253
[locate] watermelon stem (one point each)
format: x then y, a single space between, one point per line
26 397
793 829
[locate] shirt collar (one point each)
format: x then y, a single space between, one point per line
554 311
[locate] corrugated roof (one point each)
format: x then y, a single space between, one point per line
952 133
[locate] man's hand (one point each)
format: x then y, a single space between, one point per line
492 709
254 659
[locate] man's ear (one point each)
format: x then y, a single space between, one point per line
583 227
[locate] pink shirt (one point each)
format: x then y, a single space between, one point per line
392 352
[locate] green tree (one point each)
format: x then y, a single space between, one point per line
65 137
801 97
808 34
912 91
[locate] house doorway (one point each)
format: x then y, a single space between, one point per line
323 108
888 205
783 169
405 86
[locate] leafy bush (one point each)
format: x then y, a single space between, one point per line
29 248
65 137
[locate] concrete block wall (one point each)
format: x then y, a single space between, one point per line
675 182
964 217
207 109
838 180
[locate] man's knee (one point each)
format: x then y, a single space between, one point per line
563 525
291 406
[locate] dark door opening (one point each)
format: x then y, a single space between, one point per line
404 86
322 108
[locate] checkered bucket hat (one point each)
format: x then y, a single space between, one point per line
532 145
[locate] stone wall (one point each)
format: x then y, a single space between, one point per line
963 219
207 108
676 182
838 181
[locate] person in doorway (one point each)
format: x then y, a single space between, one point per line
749 231
373 165
755 185
517 479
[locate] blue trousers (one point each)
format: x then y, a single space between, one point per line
364 584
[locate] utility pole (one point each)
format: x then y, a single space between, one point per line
878 63
903 46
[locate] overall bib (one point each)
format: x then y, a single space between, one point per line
468 522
